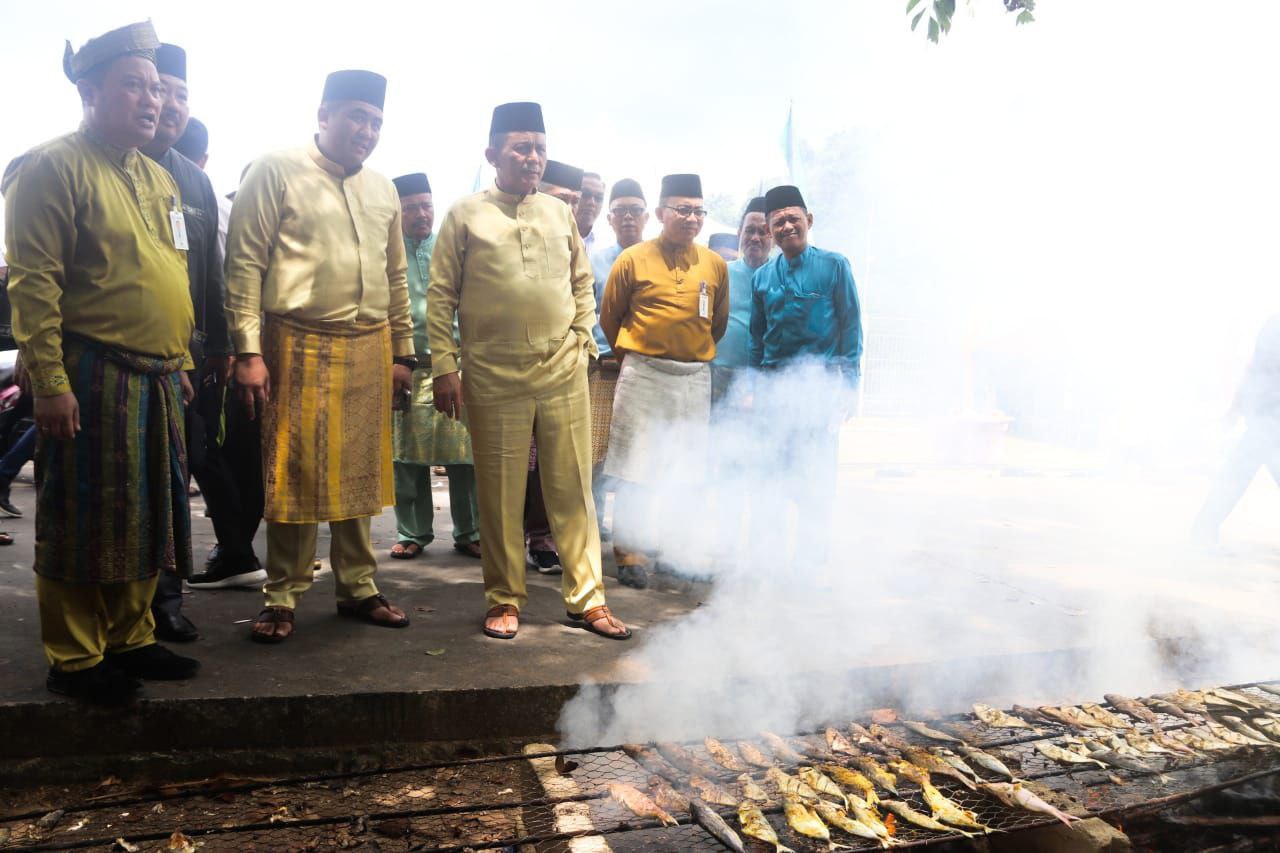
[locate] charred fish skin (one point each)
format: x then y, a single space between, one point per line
753 824
666 796
1163 706
1134 709
877 773
888 738
639 803
852 779
714 824
863 739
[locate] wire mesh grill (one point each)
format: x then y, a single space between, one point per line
525 802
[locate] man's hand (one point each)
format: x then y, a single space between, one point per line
254 382
401 386
188 392
447 390
58 417
219 367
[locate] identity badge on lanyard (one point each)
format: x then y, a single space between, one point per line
704 304
179 224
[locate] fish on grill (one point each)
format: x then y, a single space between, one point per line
805 820
1016 796
837 742
1070 717
1065 756
996 718
753 824
876 772
1033 714
866 814
1144 745
714 824
852 779
1134 709
1241 727
712 792
650 760
752 755
933 764
987 761
686 760
863 739
788 785
666 796
721 755
910 815
840 819
1102 715
947 811
1121 761
910 772
639 803
1273 689
1186 700
931 733
887 737
819 782
781 749
955 761
1164 706
751 790
1240 700
1201 738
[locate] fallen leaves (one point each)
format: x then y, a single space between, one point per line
179 843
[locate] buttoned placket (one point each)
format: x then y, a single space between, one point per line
530 261
353 205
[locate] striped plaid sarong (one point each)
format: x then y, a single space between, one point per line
326 434
111 504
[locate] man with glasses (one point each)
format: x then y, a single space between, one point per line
754 242
592 198
664 307
627 217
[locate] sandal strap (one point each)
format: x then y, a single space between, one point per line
501 610
366 606
601 612
275 614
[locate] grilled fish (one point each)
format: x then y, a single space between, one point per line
1240 699
1187 700
822 784
639 802
721 755
887 737
920 819
863 739
686 760
1144 745
933 734
805 821
987 761
1201 739
1273 689
1164 706
955 761
788 785
714 824
1134 709
782 749
1247 730
1033 714
852 779
910 772
1125 762
867 815
1069 716
996 718
1102 715
751 790
840 819
1016 796
1231 736
932 763
1064 756
876 773
711 792
666 796
753 755
947 811
755 826
837 742
650 760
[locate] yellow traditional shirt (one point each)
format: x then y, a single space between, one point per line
91 251
306 240
651 302
516 272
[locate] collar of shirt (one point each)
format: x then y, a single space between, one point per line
325 163
508 198
414 244
677 256
120 156
799 260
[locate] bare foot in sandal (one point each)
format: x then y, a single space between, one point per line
273 625
405 550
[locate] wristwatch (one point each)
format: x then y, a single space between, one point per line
406 361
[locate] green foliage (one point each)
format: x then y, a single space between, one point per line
940 13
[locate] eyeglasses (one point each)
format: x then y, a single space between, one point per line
685 211
635 211
592 194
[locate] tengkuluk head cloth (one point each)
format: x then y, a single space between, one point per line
688 186
562 175
132 40
722 240
194 142
171 60
783 196
626 188
515 117
756 205
414 184
355 85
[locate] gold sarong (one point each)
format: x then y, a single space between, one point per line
326 435
425 436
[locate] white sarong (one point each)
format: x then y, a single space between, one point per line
661 417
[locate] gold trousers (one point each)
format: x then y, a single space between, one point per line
560 420
79 622
291 551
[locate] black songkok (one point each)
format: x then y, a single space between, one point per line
723 240
516 117
414 184
194 143
783 196
131 40
171 60
756 205
688 186
626 188
355 85
562 175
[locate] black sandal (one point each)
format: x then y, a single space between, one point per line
274 616
363 610
470 549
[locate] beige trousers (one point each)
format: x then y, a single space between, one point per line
291 551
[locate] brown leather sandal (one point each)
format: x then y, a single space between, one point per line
589 619
275 617
498 611
470 549
363 610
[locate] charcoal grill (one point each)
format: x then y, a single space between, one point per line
519 801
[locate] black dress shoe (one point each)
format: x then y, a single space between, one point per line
100 684
153 663
174 627
7 507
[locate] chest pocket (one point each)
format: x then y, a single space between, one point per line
557 256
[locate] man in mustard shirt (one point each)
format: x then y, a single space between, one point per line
315 245
510 262
102 315
664 307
